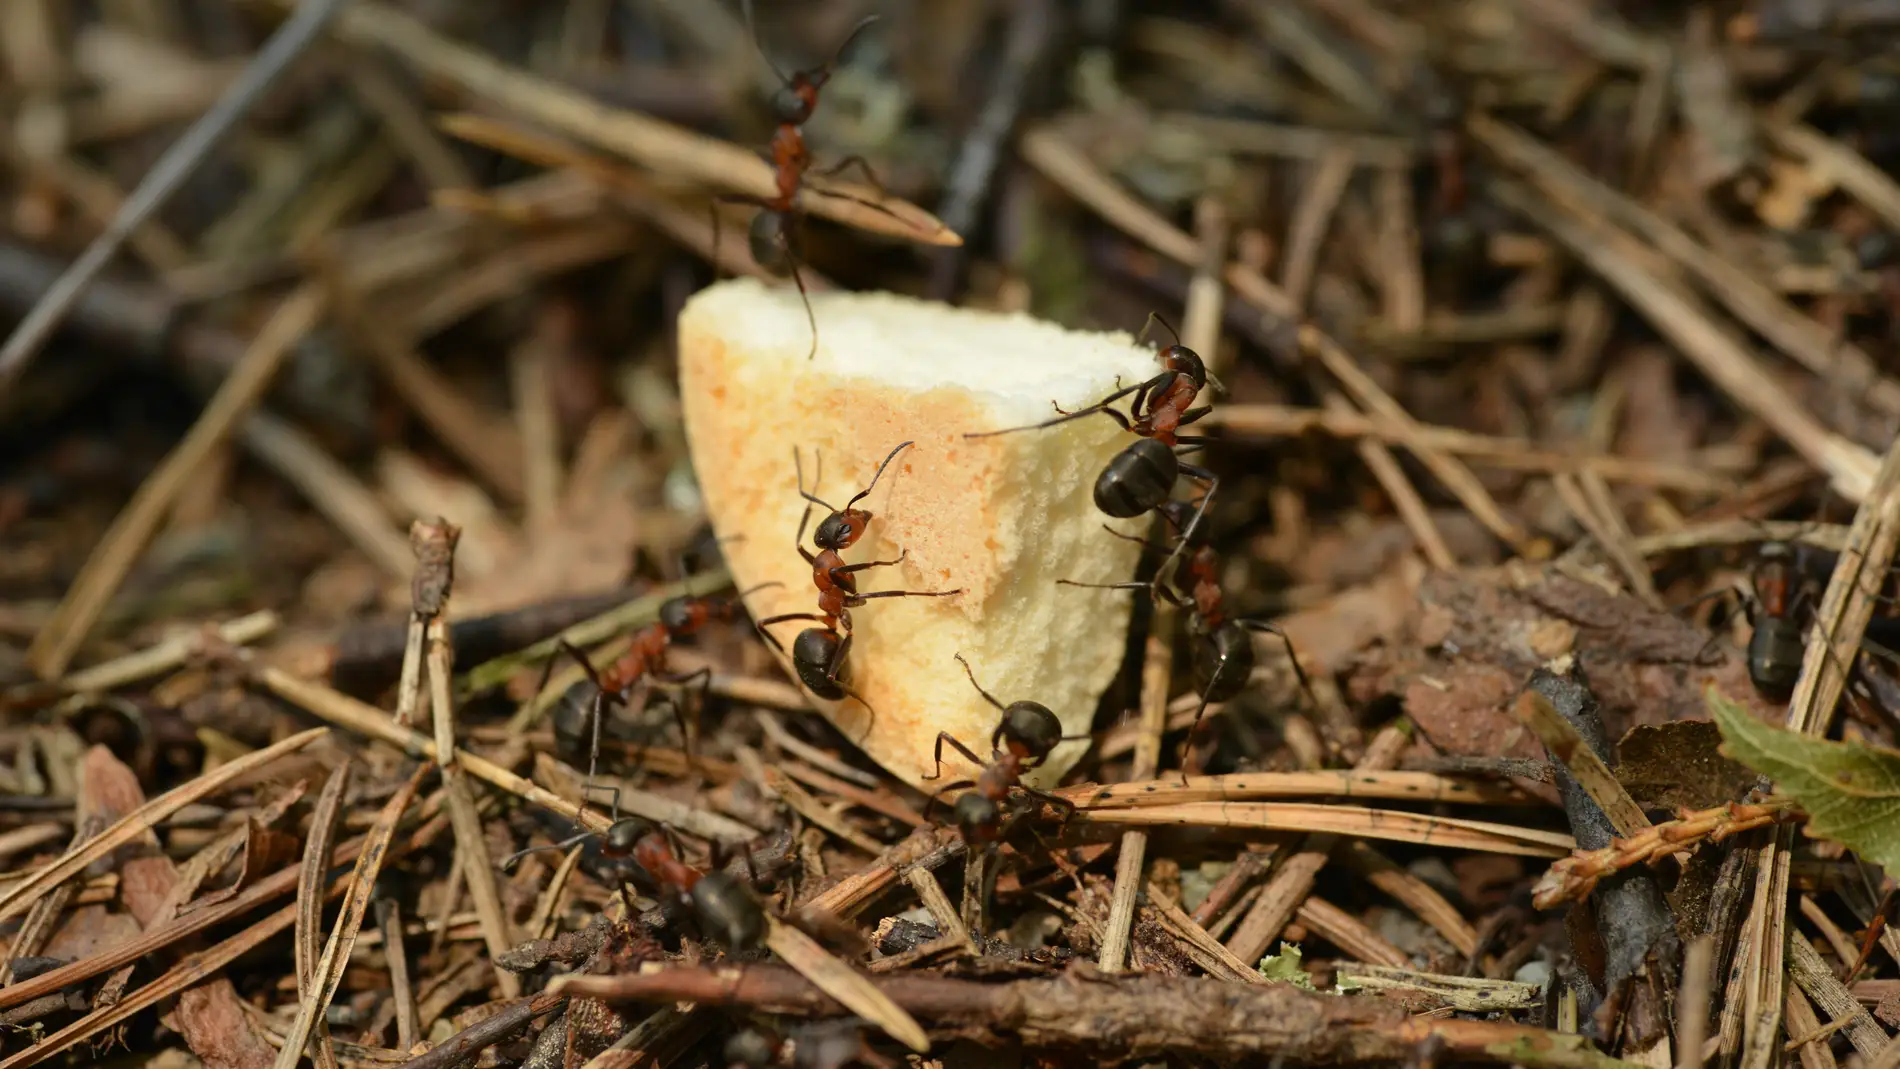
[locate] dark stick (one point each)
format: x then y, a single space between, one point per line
464 1045
1136 1016
1031 31
1632 917
166 177
369 656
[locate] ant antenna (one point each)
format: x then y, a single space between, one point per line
866 492
823 74
1153 318
753 27
1292 656
979 687
818 475
508 863
751 590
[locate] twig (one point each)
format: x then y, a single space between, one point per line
1390 824
306 942
1365 783
1157 669
1573 878
1693 1001
1147 1015
168 174
106 568
336 952
852 989
434 545
1567 746
1813 976
932 895
1226 965
396 959
161 657
463 1047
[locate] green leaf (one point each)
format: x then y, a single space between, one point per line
1850 790
1285 966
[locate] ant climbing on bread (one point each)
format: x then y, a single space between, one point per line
1024 738
818 653
776 234
1142 477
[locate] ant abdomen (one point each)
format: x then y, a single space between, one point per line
774 242
1139 478
573 722
1775 652
813 652
1223 662
977 816
728 912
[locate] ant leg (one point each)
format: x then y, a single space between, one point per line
1192 441
703 677
847 569
1292 657
937 795
859 599
1062 805
945 736
986 697
1064 418
509 862
1168 566
798 279
1187 744
613 797
1193 414
864 168
772 639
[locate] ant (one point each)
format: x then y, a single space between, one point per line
582 707
819 1045
818 653
775 235
1778 643
1023 739
1142 476
724 906
1223 647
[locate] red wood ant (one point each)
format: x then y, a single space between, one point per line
775 235
1778 643
724 906
1223 647
818 653
1023 739
1142 476
582 708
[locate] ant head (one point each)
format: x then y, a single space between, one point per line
676 614
751 1048
841 529
976 815
623 835
1030 729
794 102
775 242
728 912
1184 361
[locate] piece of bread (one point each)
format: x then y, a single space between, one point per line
1001 518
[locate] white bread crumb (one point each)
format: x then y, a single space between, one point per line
1002 518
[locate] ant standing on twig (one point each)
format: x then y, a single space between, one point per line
1223 645
1024 738
1142 476
776 234
818 653
582 708
723 906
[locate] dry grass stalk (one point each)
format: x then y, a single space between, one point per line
1389 824
1573 878
1384 784
306 943
1157 670
1536 712
56 643
18 898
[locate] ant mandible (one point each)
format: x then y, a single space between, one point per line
1142 476
774 236
1023 739
582 707
1223 647
818 653
722 905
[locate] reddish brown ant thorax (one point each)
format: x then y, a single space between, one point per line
1771 580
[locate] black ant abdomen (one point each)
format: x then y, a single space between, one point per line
573 722
775 242
1776 649
978 816
814 651
1223 662
728 912
1137 480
